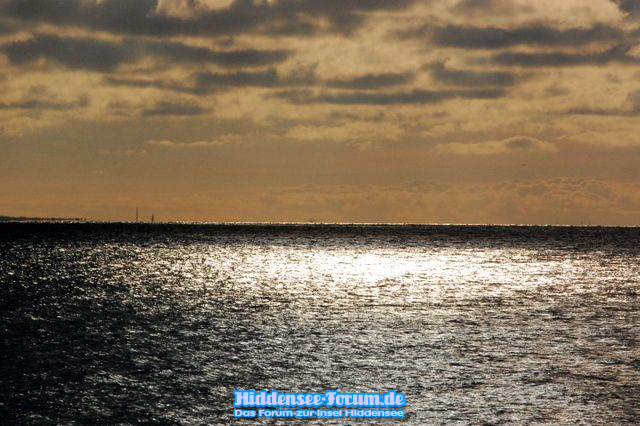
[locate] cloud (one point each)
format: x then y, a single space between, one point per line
287 17
516 144
466 37
371 81
630 109
563 59
136 83
232 59
633 98
470 78
208 81
267 78
7 27
218 142
349 132
632 7
171 144
489 7
615 138
602 111
78 53
103 56
531 201
394 98
165 108
43 104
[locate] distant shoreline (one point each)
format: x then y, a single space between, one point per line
56 220
41 219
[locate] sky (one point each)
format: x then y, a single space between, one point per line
431 111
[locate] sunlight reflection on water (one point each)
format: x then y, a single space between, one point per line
472 324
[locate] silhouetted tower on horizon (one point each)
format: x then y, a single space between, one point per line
136 215
152 218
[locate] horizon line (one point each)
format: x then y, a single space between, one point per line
67 220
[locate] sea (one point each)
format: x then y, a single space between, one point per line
159 324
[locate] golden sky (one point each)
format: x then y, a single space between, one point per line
432 111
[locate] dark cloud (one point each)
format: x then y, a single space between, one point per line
98 55
302 77
466 6
205 82
125 16
371 81
44 104
268 78
563 59
603 112
632 7
396 98
520 143
138 83
135 83
7 27
470 78
285 17
488 7
174 108
234 58
77 53
299 28
465 37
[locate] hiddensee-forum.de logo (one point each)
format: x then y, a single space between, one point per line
338 404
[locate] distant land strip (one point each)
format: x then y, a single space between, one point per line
41 219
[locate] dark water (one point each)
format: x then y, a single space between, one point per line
159 324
